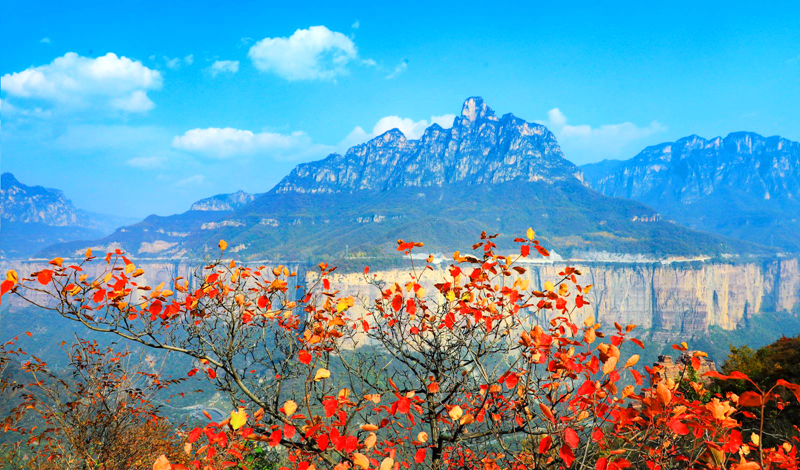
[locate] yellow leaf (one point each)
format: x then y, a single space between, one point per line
451 296
610 364
589 321
289 407
755 438
587 289
129 268
12 276
468 418
455 413
387 464
187 448
88 253
422 437
370 440
420 292
360 460
162 463
322 374
238 419
562 289
632 361
223 245
548 286
531 234
57 261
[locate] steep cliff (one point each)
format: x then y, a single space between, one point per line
744 185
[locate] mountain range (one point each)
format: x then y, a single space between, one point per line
744 185
484 173
34 217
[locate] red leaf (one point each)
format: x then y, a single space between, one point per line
566 455
6 286
751 399
544 444
419 456
511 380
275 438
195 434
571 438
679 427
397 302
99 296
403 405
44 276
305 356
212 374
525 250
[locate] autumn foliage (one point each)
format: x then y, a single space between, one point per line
476 368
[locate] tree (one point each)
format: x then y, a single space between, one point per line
98 415
478 368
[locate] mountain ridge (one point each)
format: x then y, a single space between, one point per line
485 173
743 185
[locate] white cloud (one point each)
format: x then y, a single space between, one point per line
227 142
584 143
399 69
224 66
145 162
136 102
76 81
316 53
44 41
191 180
172 64
355 24
189 59
410 128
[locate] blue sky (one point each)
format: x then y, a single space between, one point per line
143 107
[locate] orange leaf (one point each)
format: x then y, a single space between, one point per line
162 463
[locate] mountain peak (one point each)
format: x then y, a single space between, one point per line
474 109
478 149
8 180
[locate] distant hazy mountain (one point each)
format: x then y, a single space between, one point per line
224 202
744 185
498 174
33 217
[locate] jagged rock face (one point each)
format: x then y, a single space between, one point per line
224 202
693 167
744 186
479 148
671 370
27 204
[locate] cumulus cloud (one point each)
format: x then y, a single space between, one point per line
316 53
224 66
584 143
228 142
410 128
44 41
77 81
399 69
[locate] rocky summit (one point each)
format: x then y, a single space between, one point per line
744 185
485 173
479 148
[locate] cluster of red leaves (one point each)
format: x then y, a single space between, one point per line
564 396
